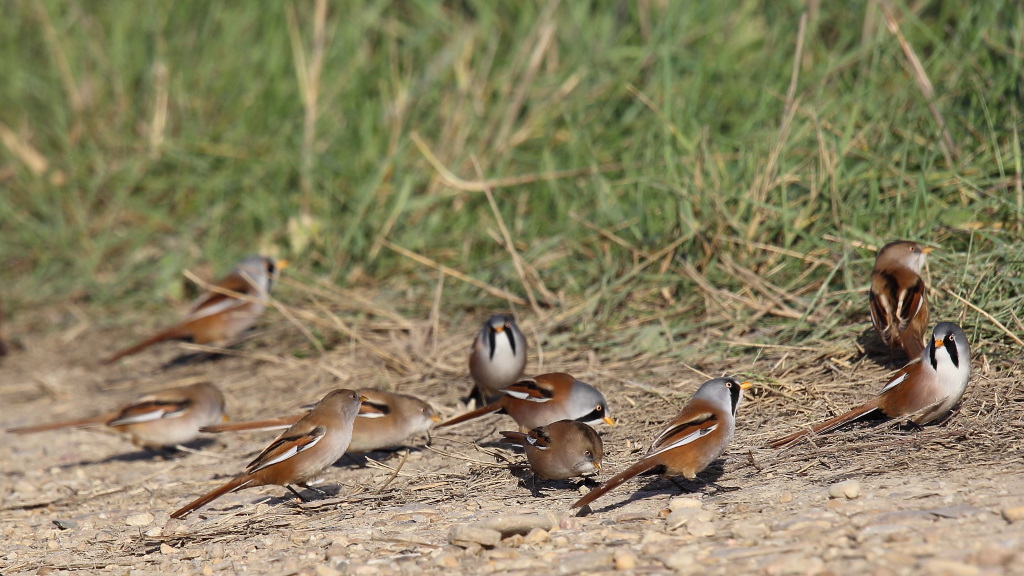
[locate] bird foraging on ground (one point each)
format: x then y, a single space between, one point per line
694 439
300 454
222 313
162 419
926 389
544 399
560 450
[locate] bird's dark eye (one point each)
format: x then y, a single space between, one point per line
598 408
588 453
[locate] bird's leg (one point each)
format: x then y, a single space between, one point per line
297 495
533 486
678 485
320 492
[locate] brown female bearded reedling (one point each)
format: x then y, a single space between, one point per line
161 419
560 450
385 420
216 318
300 454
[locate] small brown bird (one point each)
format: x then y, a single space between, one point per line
927 388
561 450
498 357
217 318
165 418
385 420
545 399
898 297
694 439
300 454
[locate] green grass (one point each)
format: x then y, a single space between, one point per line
174 135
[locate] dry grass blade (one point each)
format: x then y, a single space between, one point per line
517 260
764 182
949 149
494 291
991 318
453 181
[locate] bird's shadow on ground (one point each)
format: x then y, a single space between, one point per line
876 351
146 454
706 482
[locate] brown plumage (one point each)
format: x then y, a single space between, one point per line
300 454
927 388
216 317
561 450
694 439
545 399
899 298
385 420
164 418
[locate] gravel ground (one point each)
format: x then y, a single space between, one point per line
875 500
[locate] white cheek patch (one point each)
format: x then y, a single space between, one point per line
686 439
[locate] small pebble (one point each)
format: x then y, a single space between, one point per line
625 560
465 534
941 567
1013 513
446 560
536 536
325 570
680 502
165 549
848 489
700 528
143 519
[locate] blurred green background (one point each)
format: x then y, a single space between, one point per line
660 166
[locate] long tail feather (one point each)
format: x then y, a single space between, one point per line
173 333
272 424
492 407
614 482
236 483
82 423
826 426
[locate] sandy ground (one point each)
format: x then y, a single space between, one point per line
933 501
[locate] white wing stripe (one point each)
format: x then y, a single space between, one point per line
685 440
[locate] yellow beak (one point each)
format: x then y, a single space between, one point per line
608 420
745 385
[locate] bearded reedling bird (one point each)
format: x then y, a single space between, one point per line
300 454
898 297
545 399
694 439
385 420
218 318
161 419
925 389
498 357
560 450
